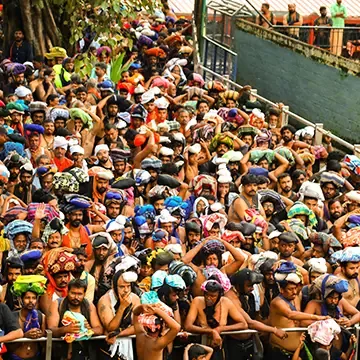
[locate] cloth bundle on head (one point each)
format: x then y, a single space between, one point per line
205 133
55 225
212 272
213 247
101 173
263 138
264 261
353 163
165 217
65 182
353 196
100 148
286 272
287 154
257 114
76 113
233 116
159 257
15 107
351 237
116 224
175 205
60 141
201 182
22 91
50 212
350 254
33 283
272 197
209 221
317 265
103 239
332 177
328 242
4 173
221 139
298 227
151 163
301 209
215 86
328 283
257 155
183 270
59 113
229 236
312 190
18 227
324 331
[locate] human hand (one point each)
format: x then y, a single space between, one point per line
40 212
345 322
302 340
281 334
327 139
33 334
87 325
134 246
216 339
188 347
73 327
247 88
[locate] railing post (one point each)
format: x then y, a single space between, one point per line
253 93
318 134
285 115
48 344
357 150
357 332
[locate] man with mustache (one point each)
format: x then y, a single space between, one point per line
30 320
336 210
248 199
80 309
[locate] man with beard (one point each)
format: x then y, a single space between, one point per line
104 250
153 166
336 210
248 199
287 135
332 303
25 189
193 233
157 201
60 160
20 50
112 108
234 164
99 183
58 264
288 244
13 163
350 271
267 14
298 177
34 150
115 311
18 79
48 136
84 314
242 295
284 313
293 18
212 313
285 186
248 230
119 159
78 235
13 269
80 273
30 320
103 159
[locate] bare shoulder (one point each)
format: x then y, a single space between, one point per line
103 302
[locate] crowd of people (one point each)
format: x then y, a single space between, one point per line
328 31
170 208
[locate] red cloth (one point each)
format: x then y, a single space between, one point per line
84 239
62 164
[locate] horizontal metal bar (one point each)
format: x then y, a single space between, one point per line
219 45
316 27
21 340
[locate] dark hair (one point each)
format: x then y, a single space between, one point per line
288 127
332 202
333 165
249 179
80 251
266 5
262 180
335 155
109 126
81 89
77 284
296 174
195 351
322 8
201 101
39 58
283 175
51 97
101 65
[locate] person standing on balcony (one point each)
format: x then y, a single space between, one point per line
266 14
322 36
338 14
294 20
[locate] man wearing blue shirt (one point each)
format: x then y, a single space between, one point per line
338 15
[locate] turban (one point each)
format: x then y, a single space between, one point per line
317 265
60 141
59 260
126 86
183 270
328 283
33 128
22 91
213 272
221 139
65 182
350 254
157 52
332 177
101 172
18 69
18 227
76 113
77 149
33 283
287 272
300 209
58 113
101 147
199 182
55 225
103 49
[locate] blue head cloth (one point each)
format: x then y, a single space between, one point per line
31 255
258 171
158 278
175 281
158 235
140 220
150 297
286 267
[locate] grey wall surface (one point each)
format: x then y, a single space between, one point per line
318 92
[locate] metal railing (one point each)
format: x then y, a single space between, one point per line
49 338
339 41
287 115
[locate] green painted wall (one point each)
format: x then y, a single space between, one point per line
318 92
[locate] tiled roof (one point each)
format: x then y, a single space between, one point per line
304 7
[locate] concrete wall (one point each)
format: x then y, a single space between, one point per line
316 85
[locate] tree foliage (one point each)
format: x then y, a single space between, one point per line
49 23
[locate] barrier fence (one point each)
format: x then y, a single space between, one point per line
49 338
200 66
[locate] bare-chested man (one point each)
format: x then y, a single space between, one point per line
248 199
149 342
285 314
350 272
209 314
115 310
